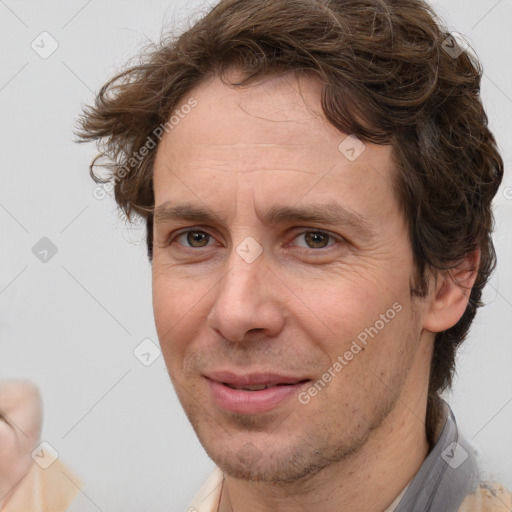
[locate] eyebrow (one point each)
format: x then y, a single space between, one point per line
330 213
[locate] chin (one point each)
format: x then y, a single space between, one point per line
265 459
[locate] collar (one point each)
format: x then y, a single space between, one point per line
448 474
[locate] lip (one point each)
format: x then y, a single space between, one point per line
252 402
253 379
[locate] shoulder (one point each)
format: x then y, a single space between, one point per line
489 497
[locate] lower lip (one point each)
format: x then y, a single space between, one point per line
252 402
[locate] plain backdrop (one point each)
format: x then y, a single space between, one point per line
71 323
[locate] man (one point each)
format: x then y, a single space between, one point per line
317 179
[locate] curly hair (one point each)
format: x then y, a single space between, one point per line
391 74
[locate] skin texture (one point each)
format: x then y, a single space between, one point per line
298 306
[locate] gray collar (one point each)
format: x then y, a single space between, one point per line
447 475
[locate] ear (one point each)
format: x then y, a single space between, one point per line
449 296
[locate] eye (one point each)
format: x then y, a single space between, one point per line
315 239
193 239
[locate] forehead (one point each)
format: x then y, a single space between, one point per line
271 138
282 111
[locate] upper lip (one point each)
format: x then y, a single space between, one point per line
252 379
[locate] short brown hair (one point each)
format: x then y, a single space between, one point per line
388 78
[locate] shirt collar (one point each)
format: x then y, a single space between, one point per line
448 474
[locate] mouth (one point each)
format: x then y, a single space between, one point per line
260 387
253 393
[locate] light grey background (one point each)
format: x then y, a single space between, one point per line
71 324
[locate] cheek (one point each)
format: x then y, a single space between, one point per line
180 306
163 303
335 303
174 294
349 310
170 306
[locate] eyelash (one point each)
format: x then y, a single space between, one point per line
302 233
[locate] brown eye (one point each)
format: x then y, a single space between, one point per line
197 238
192 239
316 239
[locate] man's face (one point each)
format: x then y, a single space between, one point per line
244 296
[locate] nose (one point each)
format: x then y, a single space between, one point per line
247 301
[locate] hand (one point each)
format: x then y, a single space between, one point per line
21 414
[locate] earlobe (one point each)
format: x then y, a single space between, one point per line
450 295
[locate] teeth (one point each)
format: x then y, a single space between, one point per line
257 387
